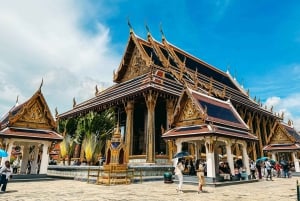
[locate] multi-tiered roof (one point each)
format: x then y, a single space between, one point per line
161 66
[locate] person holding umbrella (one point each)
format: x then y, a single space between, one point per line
178 172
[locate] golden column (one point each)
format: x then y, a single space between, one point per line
170 112
150 100
129 129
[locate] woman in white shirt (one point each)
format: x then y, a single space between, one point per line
6 173
178 171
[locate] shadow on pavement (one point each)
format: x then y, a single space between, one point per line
11 191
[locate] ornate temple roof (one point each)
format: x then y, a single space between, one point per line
291 131
217 118
31 119
140 63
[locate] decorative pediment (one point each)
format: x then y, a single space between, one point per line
137 66
280 136
189 111
34 114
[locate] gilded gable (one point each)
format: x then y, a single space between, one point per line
280 137
189 111
35 114
137 66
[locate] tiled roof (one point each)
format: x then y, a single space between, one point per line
30 134
114 94
218 111
208 130
292 132
282 147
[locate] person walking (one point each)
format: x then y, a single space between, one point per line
269 169
252 169
178 172
200 175
5 172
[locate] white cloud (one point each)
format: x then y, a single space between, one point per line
289 105
47 39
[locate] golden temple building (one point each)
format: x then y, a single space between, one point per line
28 133
170 101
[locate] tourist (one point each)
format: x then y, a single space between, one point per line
269 170
178 172
6 173
278 169
258 167
252 169
200 175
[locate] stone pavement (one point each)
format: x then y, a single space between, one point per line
280 189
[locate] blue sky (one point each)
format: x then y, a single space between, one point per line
75 45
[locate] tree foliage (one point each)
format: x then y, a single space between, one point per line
91 131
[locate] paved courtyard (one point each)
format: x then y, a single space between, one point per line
280 189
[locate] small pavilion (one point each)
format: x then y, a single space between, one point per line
28 132
210 124
285 145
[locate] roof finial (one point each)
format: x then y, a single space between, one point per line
163 38
74 102
17 101
148 30
228 68
56 113
96 90
40 88
130 27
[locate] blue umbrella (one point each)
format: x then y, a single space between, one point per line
3 153
262 159
181 154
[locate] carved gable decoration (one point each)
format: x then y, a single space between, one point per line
34 115
280 136
137 66
189 111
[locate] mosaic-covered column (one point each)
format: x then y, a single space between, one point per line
246 159
150 99
34 165
129 107
25 158
229 155
45 159
296 162
210 158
